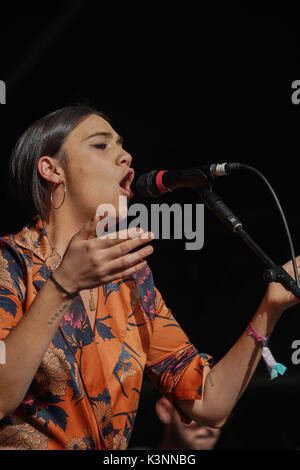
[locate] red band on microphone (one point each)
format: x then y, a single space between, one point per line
159 184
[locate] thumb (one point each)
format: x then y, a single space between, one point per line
88 230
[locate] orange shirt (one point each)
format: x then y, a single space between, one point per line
86 390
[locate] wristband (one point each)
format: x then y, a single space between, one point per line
61 287
274 368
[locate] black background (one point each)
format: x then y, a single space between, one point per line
183 86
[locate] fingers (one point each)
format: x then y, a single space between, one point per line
289 267
114 238
115 255
124 263
126 246
123 242
89 231
125 273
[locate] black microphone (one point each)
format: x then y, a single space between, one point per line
157 182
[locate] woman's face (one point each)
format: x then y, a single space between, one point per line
98 169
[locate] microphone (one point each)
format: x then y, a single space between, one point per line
157 182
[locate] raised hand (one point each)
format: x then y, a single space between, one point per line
90 261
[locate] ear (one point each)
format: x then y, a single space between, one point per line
164 410
50 169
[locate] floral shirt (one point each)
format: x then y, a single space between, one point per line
86 390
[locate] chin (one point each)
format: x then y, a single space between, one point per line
112 214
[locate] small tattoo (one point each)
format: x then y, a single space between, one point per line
58 314
211 379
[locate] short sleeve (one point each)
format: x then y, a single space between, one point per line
173 363
12 289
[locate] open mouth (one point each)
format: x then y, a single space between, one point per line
126 182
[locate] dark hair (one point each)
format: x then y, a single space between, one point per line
44 137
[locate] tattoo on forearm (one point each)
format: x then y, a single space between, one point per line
211 379
63 309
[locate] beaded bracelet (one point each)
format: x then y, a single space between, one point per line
274 368
61 287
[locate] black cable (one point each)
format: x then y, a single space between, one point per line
260 175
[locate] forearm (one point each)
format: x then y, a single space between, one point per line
27 343
229 377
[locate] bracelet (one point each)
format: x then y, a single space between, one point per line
61 287
274 368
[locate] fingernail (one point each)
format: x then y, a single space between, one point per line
148 235
135 232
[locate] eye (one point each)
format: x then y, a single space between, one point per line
100 146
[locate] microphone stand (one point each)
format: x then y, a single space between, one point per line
274 273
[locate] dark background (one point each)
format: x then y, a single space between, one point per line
184 86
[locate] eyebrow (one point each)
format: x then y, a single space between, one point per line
109 135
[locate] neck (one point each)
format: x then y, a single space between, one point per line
61 225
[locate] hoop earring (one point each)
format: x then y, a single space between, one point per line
51 195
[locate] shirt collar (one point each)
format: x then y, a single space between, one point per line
34 237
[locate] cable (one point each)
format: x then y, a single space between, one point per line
260 175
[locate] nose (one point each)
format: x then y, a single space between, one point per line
124 158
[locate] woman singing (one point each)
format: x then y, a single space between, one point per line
80 316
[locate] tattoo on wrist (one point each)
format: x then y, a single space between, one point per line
63 309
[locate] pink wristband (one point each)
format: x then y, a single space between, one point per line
273 367
254 334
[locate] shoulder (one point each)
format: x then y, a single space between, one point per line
13 266
12 252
